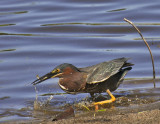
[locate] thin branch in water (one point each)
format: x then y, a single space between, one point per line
147 47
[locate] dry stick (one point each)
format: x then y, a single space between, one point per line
147 47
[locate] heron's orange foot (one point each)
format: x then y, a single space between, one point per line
105 101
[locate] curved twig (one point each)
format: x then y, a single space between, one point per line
147 47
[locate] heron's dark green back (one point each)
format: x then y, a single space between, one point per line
102 71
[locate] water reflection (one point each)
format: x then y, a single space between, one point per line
7 24
5 97
115 10
7 50
11 13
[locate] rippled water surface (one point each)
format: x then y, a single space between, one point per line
36 36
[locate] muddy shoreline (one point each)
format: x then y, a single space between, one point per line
144 113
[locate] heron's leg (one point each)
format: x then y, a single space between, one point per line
105 101
92 95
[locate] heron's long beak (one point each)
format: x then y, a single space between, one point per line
45 77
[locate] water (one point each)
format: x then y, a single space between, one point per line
36 36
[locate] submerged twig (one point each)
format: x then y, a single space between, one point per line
147 47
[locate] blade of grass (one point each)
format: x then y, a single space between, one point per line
154 76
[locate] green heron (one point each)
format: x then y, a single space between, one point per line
102 77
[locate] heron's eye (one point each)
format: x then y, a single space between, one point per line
58 70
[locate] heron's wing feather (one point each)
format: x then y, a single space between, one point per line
102 71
